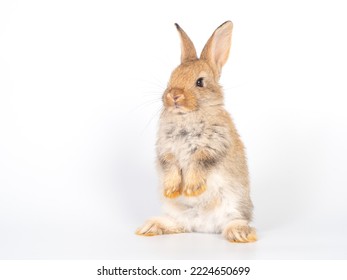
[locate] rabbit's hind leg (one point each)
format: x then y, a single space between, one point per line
239 231
159 226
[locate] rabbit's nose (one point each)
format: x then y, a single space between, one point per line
175 96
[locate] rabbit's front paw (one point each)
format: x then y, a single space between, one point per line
172 186
194 190
172 192
194 185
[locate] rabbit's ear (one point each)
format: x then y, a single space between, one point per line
188 51
216 50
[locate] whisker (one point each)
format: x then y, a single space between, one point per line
151 93
146 104
158 111
159 83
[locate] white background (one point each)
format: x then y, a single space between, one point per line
80 89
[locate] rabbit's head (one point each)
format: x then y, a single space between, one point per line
193 85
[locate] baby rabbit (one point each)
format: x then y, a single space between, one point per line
201 159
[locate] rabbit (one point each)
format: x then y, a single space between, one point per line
200 158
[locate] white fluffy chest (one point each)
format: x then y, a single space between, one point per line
182 138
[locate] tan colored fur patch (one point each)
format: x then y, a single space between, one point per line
194 182
172 175
172 183
167 158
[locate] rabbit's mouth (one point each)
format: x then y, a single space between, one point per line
179 109
178 106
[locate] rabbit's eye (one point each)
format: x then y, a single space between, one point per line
200 82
